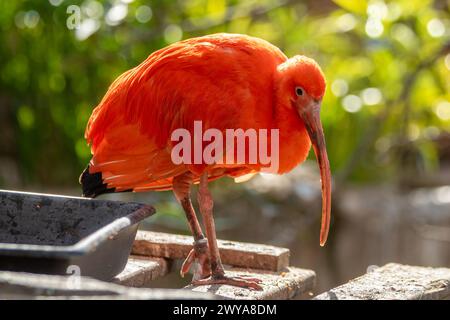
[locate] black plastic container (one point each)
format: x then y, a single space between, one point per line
51 234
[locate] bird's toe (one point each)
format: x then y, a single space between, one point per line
247 283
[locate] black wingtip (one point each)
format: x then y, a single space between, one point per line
92 184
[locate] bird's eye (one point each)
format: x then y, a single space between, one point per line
299 91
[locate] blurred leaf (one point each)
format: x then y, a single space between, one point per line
356 6
25 117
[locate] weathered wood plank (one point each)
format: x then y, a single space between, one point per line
140 271
397 282
238 254
288 284
19 285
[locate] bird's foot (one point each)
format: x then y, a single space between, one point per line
199 254
243 282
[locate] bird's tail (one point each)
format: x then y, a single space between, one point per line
92 184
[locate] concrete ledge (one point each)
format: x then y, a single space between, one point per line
288 284
395 282
140 271
18 285
239 254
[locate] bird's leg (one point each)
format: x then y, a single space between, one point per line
181 188
218 276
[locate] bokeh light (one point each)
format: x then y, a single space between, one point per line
443 110
374 27
93 9
339 87
144 14
346 22
352 103
55 2
371 96
116 14
87 28
173 33
436 28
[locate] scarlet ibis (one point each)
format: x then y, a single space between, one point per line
226 81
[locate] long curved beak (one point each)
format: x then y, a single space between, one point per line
311 118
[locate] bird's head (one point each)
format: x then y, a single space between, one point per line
300 85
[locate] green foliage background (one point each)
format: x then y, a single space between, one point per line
52 77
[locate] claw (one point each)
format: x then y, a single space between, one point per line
256 280
187 263
248 283
200 255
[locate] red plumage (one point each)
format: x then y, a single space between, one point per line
226 81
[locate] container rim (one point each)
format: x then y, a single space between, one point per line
84 245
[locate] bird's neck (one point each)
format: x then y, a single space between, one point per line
294 143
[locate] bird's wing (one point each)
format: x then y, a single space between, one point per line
129 132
